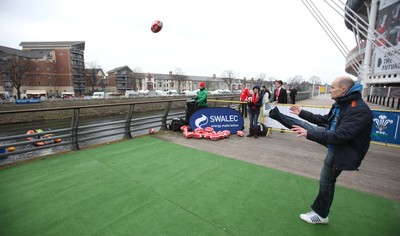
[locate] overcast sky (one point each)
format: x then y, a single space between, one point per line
278 38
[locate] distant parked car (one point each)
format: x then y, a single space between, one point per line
215 92
113 95
144 92
131 94
173 93
161 93
67 94
191 93
98 95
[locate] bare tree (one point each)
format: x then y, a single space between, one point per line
92 77
228 77
260 78
314 80
137 78
295 81
17 69
179 77
270 81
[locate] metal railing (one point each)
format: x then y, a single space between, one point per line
75 134
384 96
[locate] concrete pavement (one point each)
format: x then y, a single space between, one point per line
379 173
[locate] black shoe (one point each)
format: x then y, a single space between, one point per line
274 111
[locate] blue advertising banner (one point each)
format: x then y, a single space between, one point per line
386 127
25 101
219 118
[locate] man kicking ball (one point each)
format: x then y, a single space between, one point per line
345 131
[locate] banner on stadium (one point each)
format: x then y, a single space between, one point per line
385 128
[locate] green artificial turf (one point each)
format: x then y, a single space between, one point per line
146 186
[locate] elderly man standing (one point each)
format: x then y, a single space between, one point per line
345 131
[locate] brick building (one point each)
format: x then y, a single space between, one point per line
59 67
56 67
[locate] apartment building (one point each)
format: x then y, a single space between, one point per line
56 67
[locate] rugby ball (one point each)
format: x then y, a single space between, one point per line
156 26
240 133
184 127
214 137
227 133
208 129
197 135
189 135
199 129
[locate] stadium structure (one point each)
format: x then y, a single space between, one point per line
375 58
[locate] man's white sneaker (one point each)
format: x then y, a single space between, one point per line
313 218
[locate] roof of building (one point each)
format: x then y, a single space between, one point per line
96 71
6 51
55 44
119 68
190 77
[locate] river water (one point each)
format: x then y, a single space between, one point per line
22 128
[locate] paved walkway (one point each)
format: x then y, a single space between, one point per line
379 173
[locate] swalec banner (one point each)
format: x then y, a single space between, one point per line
219 118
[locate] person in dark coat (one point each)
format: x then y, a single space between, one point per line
254 102
293 94
280 94
345 131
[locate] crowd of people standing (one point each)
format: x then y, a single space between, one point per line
257 102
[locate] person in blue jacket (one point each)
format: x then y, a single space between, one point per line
345 131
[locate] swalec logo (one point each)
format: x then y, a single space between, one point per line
219 118
201 121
